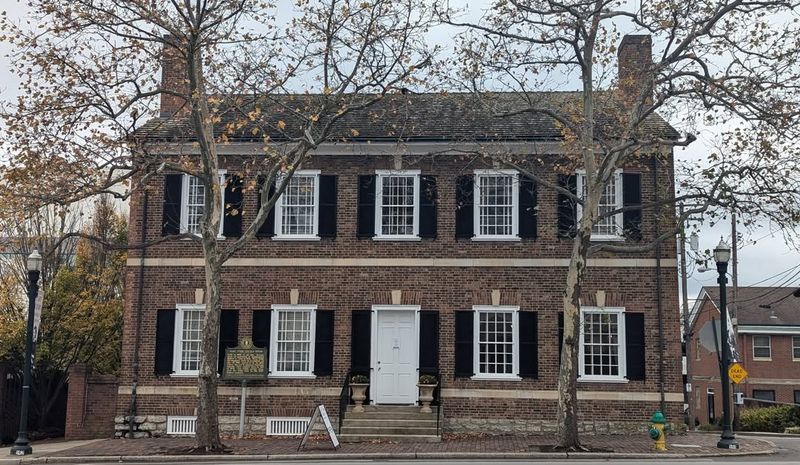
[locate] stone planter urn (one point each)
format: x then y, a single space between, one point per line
358 392
426 394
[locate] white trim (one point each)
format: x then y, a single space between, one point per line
767 329
177 340
397 262
580 179
373 372
273 342
184 220
181 425
768 346
476 213
621 355
279 236
795 359
514 310
379 177
286 426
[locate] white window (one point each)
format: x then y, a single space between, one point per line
496 204
297 209
292 351
496 344
188 337
193 195
762 348
796 348
609 227
602 344
397 205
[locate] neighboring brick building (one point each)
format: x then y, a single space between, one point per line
454 268
768 343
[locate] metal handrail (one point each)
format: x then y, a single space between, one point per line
437 398
344 399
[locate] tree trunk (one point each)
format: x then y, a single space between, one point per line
207 432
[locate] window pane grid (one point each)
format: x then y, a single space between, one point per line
601 344
397 205
293 348
761 347
495 343
195 205
796 347
607 226
496 205
191 335
298 209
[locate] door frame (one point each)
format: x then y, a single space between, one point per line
373 376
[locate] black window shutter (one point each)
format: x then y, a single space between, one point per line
567 207
267 228
560 334
232 221
527 208
323 344
366 206
360 341
634 346
262 319
173 188
465 187
427 207
228 334
529 344
327 206
428 342
165 338
632 196
465 320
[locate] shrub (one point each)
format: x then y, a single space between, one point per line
359 379
427 379
770 419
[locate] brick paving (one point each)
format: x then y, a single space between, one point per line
693 444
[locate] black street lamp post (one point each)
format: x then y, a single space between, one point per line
21 445
722 255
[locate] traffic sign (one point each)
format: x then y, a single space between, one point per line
737 373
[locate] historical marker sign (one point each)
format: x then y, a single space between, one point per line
245 361
737 373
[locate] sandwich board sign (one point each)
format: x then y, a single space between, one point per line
320 413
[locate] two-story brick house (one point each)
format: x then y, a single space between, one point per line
768 344
381 259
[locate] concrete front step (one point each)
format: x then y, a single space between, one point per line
389 437
394 422
389 430
392 408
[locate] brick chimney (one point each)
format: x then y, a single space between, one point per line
173 77
635 61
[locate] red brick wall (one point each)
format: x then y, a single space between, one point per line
91 404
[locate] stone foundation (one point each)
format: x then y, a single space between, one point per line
155 426
498 426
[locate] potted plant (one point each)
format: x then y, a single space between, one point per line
358 391
426 384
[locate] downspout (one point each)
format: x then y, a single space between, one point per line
138 334
659 303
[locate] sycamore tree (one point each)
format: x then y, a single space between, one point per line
726 64
89 67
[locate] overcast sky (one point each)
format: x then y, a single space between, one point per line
762 255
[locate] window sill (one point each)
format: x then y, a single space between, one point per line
295 238
764 359
397 238
292 376
597 238
495 378
496 239
183 375
586 379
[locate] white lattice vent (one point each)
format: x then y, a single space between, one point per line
181 426
286 426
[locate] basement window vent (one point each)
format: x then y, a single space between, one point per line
181 426
286 426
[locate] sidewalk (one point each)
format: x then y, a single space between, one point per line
46 448
462 447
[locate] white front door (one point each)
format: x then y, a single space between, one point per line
396 361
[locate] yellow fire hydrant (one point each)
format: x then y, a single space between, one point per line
657 431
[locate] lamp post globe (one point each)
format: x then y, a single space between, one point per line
34 265
722 255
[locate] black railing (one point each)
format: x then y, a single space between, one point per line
437 399
344 399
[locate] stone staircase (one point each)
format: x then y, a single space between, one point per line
391 423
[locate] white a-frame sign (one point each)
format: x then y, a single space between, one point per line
320 412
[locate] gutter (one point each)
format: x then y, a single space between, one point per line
138 335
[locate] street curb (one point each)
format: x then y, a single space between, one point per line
378 456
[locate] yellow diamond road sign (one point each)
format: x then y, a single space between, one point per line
737 373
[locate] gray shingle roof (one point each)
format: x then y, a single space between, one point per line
782 307
409 117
